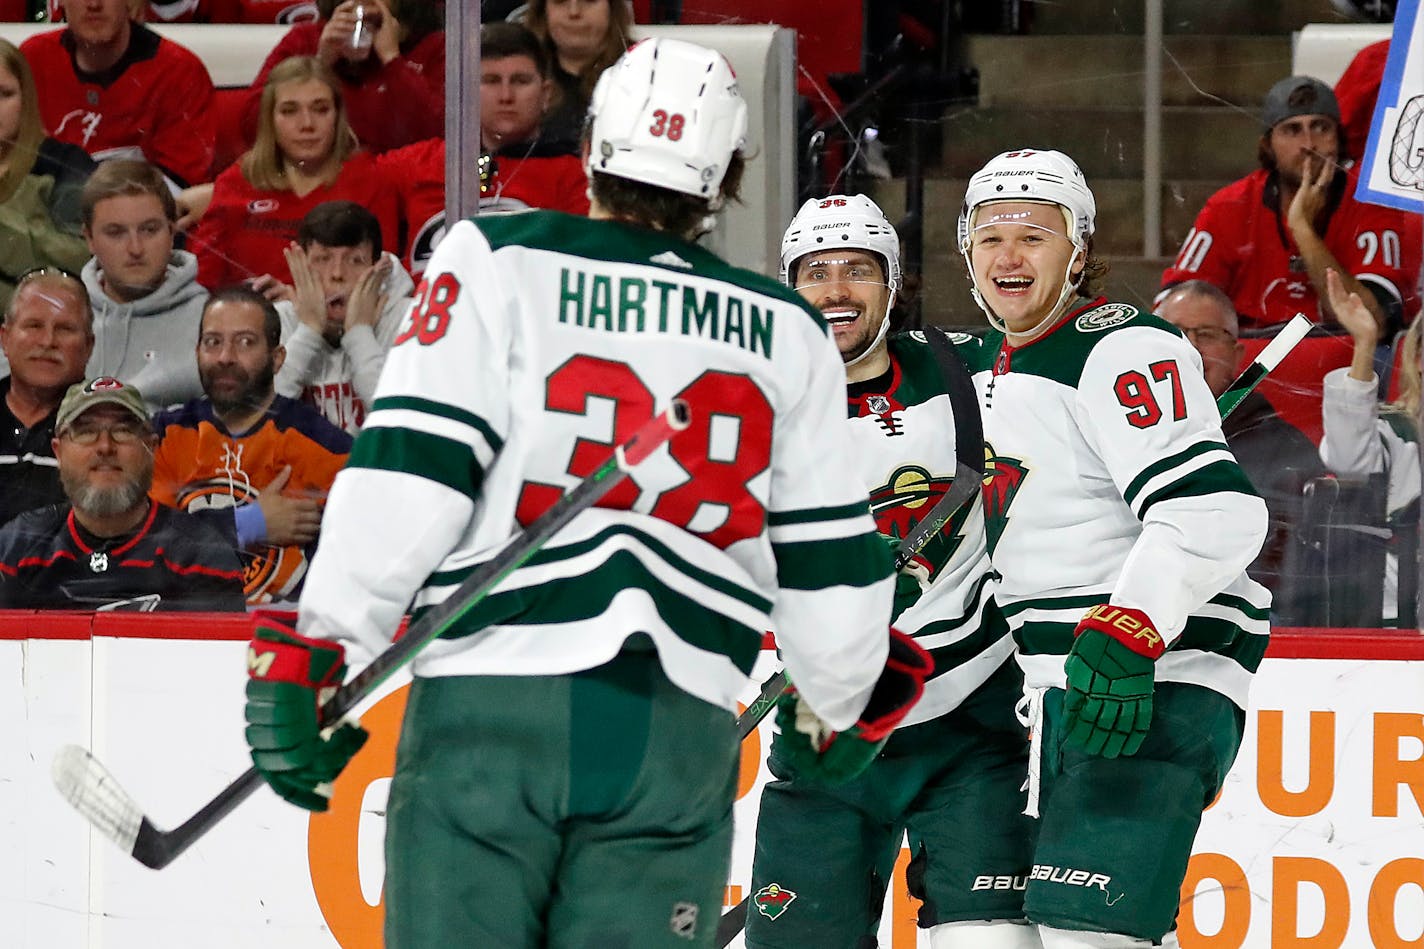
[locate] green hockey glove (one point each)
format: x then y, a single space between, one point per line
912 580
817 754
1110 671
289 678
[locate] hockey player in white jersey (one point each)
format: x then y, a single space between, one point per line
1122 527
952 772
567 779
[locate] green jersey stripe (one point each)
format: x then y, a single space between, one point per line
811 515
589 595
811 566
1167 464
1216 478
432 457
1080 602
564 552
1221 637
430 407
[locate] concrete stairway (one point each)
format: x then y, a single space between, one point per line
1075 84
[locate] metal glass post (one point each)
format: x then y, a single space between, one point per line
462 110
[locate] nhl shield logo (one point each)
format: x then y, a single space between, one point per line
878 404
684 921
772 900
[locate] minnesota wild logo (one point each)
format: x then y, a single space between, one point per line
1002 479
772 900
906 497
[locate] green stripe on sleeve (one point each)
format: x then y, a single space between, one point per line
1216 478
433 457
1167 464
441 410
855 561
815 514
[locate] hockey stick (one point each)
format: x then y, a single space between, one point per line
968 476
87 784
734 920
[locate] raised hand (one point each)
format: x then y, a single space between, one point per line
307 294
367 301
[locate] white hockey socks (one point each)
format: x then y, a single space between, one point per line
978 934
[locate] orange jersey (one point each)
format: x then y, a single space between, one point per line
200 465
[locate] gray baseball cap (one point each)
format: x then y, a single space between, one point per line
105 390
1298 95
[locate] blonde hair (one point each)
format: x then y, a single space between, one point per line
264 165
1409 388
24 150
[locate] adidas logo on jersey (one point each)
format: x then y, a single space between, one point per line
669 259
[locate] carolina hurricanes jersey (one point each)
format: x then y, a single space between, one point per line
156 103
246 229
556 182
1240 243
1356 91
200 465
1108 480
537 342
219 11
904 437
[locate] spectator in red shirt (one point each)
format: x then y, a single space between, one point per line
583 38
1357 89
219 11
118 90
305 154
1268 239
526 171
394 88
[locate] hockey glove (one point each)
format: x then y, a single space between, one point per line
1110 669
912 580
289 677
815 753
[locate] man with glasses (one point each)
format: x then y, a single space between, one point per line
1277 457
46 338
110 546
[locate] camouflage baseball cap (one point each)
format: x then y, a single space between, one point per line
1298 95
105 390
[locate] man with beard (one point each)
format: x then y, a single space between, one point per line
1268 239
110 545
245 447
349 301
958 758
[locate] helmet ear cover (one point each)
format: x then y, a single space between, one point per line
668 113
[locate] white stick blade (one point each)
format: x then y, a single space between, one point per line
88 786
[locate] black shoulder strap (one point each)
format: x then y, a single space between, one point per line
959 384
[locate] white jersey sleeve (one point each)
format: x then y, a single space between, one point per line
1144 405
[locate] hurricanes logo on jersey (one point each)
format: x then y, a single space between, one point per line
1003 477
906 497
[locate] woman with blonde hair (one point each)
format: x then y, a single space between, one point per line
583 38
305 154
1365 437
40 180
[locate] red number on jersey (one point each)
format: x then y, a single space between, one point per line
430 311
721 452
1135 394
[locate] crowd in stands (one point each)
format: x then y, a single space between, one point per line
235 315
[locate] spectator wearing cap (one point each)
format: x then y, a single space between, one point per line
1268 239
46 338
146 297
109 545
117 89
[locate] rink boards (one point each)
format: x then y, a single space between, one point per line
1317 840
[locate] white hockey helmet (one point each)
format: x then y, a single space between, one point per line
1028 174
850 221
667 113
